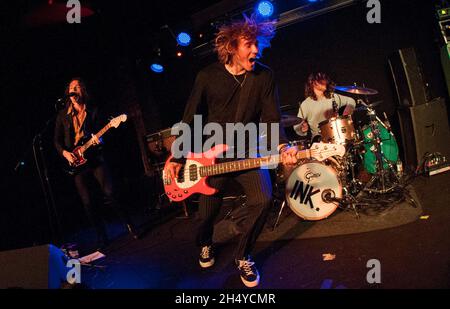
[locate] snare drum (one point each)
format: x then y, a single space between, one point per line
338 130
309 189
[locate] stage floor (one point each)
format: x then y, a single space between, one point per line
411 244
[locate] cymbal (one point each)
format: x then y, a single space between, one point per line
356 90
364 107
289 120
286 108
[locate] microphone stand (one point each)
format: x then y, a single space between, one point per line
41 167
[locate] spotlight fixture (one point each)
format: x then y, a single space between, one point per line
157 68
183 39
265 8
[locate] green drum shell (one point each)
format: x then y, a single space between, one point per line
389 148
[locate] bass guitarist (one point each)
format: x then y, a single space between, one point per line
217 91
74 124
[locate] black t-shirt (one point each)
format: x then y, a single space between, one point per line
216 96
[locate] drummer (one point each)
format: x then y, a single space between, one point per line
321 104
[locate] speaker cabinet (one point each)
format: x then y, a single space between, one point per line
424 128
39 267
408 78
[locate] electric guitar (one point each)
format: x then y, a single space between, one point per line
84 144
199 167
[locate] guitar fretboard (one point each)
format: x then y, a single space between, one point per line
98 134
247 164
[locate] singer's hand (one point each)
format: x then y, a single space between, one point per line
95 140
70 157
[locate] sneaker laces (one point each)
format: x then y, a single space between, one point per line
246 266
206 250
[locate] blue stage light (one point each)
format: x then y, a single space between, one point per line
265 8
183 39
157 68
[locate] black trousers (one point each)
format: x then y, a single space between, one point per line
102 175
258 189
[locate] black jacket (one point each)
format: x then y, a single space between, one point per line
64 135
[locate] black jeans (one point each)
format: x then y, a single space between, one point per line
103 176
258 189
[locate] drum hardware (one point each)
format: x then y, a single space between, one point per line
383 171
340 181
283 204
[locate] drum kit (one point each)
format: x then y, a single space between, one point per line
314 190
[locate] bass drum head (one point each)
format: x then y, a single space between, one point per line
305 187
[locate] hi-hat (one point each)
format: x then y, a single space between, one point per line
356 90
366 106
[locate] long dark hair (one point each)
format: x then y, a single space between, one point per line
318 77
84 92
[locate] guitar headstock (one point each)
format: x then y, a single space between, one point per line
115 122
322 151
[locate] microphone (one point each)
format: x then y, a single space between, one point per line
70 94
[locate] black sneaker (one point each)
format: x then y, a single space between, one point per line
249 273
206 257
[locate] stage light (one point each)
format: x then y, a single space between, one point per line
183 39
265 8
157 68
179 54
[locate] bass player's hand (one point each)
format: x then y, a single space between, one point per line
172 169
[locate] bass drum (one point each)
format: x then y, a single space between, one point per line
307 188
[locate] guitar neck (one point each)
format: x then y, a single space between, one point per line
247 164
99 134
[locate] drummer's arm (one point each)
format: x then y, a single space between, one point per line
349 105
301 128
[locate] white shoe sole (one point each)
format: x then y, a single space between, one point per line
250 284
206 264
